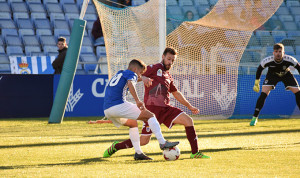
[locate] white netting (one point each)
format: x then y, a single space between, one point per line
210 49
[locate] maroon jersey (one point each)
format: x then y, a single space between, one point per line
158 93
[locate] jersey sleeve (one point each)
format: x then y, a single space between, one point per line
265 61
149 71
172 87
130 76
292 60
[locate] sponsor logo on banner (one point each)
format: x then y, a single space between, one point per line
31 64
73 99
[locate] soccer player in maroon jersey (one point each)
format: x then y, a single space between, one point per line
158 85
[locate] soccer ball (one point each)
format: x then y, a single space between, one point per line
171 154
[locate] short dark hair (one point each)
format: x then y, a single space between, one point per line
278 46
62 39
170 50
138 63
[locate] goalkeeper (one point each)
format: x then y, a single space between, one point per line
278 70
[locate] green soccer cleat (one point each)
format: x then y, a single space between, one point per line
110 151
253 121
199 155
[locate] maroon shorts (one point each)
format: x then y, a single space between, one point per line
164 115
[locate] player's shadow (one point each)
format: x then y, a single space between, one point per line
108 135
81 162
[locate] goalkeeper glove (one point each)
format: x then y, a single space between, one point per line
256 85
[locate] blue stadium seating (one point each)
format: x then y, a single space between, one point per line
11 32
50 50
172 3
185 2
295 10
47 40
1 41
298 51
86 41
3 58
53 8
25 23
282 11
91 9
292 3
137 2
60 24
7 23
5 15
2 51
33 51
50 1
13 41
30 40
40 32
175 12
70 8
19 7
36 15
36 8
14 51
42 24
200 2
278 36
66 2
203 9
20 15
4 7
293 33
289 50
290 26
23 32
285 18
100 51
33 1
61 32
86 50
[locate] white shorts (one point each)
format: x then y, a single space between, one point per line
120 113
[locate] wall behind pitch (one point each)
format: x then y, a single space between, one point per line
86 95
25 95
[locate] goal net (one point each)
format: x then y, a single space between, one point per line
209 49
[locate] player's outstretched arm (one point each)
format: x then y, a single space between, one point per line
132 91
179 97
147 81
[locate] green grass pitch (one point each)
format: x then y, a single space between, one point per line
33 148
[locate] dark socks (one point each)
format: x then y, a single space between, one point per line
193 138
260 103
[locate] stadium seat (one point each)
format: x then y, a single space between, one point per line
7 23
13 41
42 24
47 40
33 1
19 7
246 57
40 32
79 2
137 2
172 3
60 24
33 51
282 11
203 10
1 41
253 41
289 50
61 32
201 2
23 32
295 10
90 17
278 36
30 40
100 51
89 25
286 18
86 50
91 9
14 51
266 41
86 41
36 8
4 58
20 15
88 58
175 12
57 16
12 1
290 26
71 16
70 8
259 33
5 15
36 15
292 3
25 23
293 33
50 49
53 8
2 51
66 2
5 68
50 1
11 32
213 2
4 7
185 3
298 50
